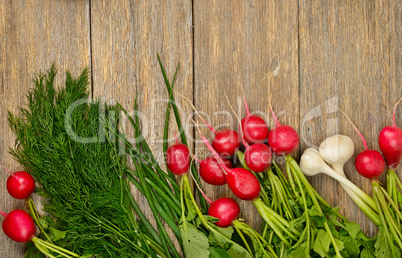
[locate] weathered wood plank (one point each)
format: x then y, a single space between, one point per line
350 55
126 37
236 42
33 35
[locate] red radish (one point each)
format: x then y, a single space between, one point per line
225 142
254 127
241 181
390 142
19 226
20 184
283 139
368 163
226 210
178 159
258 157
211 172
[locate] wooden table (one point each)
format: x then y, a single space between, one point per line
316 53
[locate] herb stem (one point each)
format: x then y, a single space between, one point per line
34 213
243 239
382 217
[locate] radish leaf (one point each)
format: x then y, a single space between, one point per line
195 243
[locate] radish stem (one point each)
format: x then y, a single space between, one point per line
295 167
198 114
357 130
3 214
201 191
243 239
394 111
35 216
6 169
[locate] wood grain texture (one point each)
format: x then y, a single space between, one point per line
318 53
33 35
126 37
236 42
350 56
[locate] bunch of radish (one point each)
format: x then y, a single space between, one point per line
18 225
217 170
178 162
245 186
283 200
225 209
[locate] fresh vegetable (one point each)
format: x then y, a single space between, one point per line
216 241
283 139
20 184
225 142
93 212
253 127
240 181
211 172
246 186
225 209
311 163
18 226
370 164
81 179
178 159
336 151
258 156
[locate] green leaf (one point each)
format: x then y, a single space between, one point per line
56 235
221 237
340 244
211 219
299 251
316 216
195 243
366 254
321 243
32 251
351 246
382 248
298 223
238 251
227 232
43 223
217 252
353 228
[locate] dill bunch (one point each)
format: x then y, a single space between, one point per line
83 182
